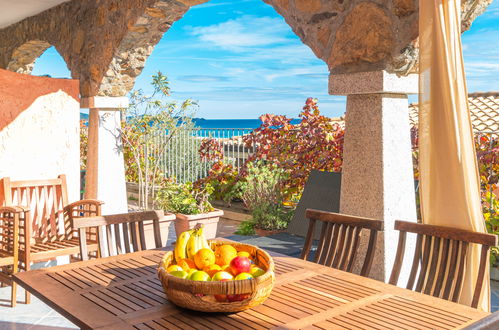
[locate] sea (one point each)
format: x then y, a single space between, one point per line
228 128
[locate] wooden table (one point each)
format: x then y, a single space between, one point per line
124 292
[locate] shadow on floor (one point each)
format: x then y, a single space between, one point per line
25 326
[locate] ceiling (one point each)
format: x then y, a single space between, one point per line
12 11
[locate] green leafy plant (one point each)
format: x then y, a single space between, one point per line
246 228
224 179
262 195
184 198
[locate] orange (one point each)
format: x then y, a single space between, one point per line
212 269
187 264
224 254
226 268
244 254
204 258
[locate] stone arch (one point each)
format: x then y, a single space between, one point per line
136 46
23 58
326 27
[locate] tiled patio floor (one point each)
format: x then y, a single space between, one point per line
37 315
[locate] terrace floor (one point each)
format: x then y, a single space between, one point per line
38 315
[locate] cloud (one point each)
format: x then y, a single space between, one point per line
300 72
243 32
203 78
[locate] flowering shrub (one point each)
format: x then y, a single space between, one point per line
83 143
315 143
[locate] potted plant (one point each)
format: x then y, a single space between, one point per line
262 193
191 207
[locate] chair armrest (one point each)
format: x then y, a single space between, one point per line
94 208
14 209
95 202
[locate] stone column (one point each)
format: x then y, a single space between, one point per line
105 177
377 175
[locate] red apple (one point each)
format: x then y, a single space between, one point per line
237 297
240 265
221 297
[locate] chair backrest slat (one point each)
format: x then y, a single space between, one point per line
111 243
339 239
347 250
330 241
481 272
126 237
142 235
439 260
341 246
117 235
320 248
130 238
433 264
452 270
460 272
443 266
355 247
157 232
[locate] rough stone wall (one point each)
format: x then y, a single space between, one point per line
137 44
107 42
360 35
40 129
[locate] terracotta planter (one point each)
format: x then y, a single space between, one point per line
264 232
164 228
209 221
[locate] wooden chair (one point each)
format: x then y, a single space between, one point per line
124 233
440 257
10 219
48 233
490 322
339 239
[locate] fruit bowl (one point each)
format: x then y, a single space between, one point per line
200 295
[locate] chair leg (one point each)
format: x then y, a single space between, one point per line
13 297
27 295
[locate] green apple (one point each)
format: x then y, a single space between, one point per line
179 273
200 276
218 276
244 276
256 271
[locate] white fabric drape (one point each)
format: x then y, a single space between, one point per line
450 186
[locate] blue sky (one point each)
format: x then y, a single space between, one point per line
239 59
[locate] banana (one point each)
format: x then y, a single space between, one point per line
202 238
193 245
180 247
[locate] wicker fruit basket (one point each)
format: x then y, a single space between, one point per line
199 295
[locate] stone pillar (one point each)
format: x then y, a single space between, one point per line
105 177
377 175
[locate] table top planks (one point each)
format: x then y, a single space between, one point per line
124 292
